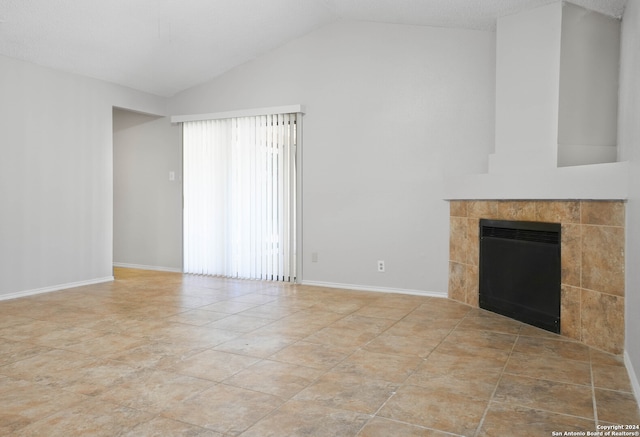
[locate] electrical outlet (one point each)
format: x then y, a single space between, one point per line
381 266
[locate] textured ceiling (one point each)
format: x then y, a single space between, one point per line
165 46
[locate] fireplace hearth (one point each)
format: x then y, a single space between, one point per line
592 260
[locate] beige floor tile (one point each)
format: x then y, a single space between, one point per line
541 367
193 336
119 323
187 301
197 317
486 321
228 307
302 418
611 377
71 315
436 328
144 309
314 317
52 367
12 351
338 306
107 344
378 427
22 403
256 344
472 382
240 323
439 309
511 420
617 407
533 331
29 331
12 307
155 391
374 325
169 354
254 298
403 345
156 354
224 409
473 351
372 365
453 364
161 427
402 301
439 410
553 349
599 357
338 390
539 394
90 418
213 365
67 337
274 378
384 312
297 329
271 311
36 308
95 377
8 319
340 337
476 338
318 356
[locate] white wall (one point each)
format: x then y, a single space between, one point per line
56 189
147 228
588 101
527 78
389 110
629 149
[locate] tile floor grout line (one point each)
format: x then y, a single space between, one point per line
495 389
325 372
442 340
440 431
554 381
94 398
413 372
383 404
593 392
362 347
543 409
153 300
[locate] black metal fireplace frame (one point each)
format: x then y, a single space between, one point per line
520 271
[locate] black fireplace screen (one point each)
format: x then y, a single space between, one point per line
520 271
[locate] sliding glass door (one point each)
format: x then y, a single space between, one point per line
240 197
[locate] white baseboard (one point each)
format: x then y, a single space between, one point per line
376 289
143 267
632 376
59 287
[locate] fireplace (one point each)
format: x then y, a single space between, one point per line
519 271
592 260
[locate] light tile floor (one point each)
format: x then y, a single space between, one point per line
168 354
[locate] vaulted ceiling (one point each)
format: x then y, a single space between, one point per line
165 46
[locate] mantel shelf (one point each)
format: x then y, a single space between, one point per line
586 182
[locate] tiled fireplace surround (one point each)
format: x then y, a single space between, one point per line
592 255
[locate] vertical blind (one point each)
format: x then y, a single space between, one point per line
240 197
